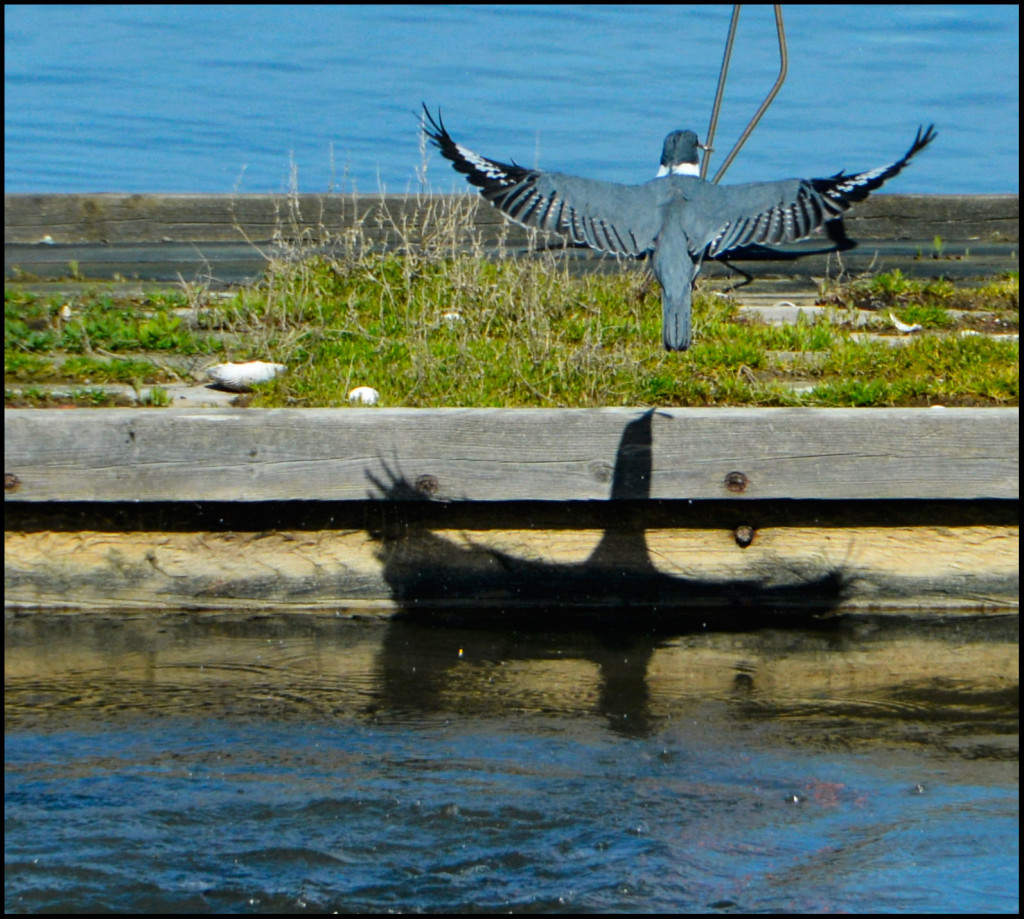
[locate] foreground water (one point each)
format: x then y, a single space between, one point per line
186 764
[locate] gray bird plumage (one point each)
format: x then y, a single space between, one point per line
678 218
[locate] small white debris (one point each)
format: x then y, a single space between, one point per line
65 313
242 377
47 240
364 395
452 318
903 327
968 333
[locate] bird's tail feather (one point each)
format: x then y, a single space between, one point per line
676 321
675 268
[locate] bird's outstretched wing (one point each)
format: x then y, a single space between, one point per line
621 219
770 213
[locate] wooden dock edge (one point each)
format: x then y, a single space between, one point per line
405 511
219 241
121 218
785 570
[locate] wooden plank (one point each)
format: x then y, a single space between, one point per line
259 219
229 239
155 218
225 240
219 265
498 454
831 569
951 217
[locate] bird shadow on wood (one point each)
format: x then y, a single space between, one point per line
613 610
434 578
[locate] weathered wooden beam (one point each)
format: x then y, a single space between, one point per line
825 569
156 218
220 265
499 455
224 239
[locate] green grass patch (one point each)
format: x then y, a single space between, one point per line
927 301
85 397
19 365
472 332
98 322
81 368
435 327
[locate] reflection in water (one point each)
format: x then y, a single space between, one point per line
598 673
198 763
892 677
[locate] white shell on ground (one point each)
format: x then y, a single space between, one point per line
364 395
242 377
902 326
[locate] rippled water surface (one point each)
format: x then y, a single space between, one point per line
229 98
176 764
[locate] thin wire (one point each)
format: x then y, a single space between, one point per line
783 69
723 73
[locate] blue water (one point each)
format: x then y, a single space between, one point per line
256 99
534 815
177 764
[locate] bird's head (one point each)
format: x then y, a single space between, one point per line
679 155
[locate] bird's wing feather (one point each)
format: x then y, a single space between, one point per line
770 213
621 219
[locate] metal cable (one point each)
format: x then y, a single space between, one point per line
723 73
783 69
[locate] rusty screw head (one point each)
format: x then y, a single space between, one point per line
744 536
736 481
427 485
11 481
